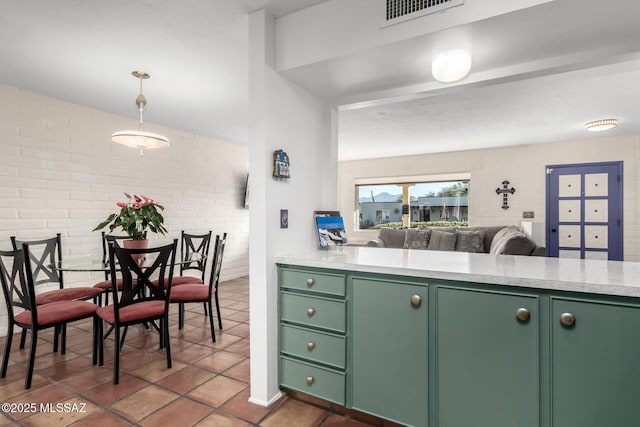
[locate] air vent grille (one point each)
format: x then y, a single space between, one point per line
401 10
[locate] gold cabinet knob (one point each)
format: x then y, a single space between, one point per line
310 282
523 314
309 380
416 301
310 346
567 319
310 312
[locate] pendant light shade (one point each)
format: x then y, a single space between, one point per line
140 139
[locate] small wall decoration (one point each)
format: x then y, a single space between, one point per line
280 165
284 218
505 191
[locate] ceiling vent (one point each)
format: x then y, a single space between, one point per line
402 10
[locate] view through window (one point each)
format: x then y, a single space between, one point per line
430 204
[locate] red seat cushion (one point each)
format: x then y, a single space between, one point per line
106 284
190 292
67 294
182 280
185 280
131 313
58 311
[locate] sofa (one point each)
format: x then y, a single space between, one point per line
499 240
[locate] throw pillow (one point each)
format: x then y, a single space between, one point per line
519 245
442 241
392 237
501 237
470 241
416 238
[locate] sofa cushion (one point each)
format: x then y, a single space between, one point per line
489 233
501 238
392 237
470 241
417 238
442 241
519 245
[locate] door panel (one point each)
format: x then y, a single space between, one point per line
584 211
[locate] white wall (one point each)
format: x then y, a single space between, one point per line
283 116
60 172
523 166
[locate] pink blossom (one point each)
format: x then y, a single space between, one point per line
146 201
160 206
127 195
138 199
122 204
136 206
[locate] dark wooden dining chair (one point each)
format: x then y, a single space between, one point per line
194 292
105 284
23 311
43 255
139 301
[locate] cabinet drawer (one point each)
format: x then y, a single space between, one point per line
313 380
313 345
333 284
313 311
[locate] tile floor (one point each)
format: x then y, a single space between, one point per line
208 384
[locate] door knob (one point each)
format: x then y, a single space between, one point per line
310 346
309 380
310 312
309 282
523 314
567 319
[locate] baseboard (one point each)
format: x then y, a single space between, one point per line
263 403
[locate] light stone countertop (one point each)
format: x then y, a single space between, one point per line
618 278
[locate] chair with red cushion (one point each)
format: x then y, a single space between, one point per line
43 255
105 284
140 301
18 287
202 293
193 244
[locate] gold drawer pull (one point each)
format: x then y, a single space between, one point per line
310 312
567 319
310 282
522 314
416 301
310 346
309 380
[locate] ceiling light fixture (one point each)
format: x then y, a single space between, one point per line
451 66
600 125
139 138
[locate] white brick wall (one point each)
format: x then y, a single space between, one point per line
60 172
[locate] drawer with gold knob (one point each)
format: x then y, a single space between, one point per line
315 346
313 311
316 381
325 283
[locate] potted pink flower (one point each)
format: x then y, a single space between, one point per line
137 215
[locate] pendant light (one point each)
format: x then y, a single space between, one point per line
139 138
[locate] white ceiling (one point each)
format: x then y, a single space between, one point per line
539 74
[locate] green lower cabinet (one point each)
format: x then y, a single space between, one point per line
487 359
595 364
388 342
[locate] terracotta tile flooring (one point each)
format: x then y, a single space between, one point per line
208 384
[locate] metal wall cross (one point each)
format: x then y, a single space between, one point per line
505 191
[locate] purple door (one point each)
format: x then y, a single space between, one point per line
584 211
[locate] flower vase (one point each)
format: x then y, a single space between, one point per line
136 244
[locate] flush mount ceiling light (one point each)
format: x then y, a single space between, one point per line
451 66
600 125
139 138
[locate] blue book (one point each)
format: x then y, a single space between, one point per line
331 231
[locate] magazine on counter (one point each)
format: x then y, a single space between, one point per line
330 231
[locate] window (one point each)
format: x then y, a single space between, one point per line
430 203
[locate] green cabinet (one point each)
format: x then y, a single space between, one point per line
437 353
487 358
312 340
389 345
595 374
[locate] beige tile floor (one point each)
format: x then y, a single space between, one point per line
208 384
